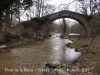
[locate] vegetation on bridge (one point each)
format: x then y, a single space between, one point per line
36 22
88 17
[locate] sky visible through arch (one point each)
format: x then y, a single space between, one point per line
61 5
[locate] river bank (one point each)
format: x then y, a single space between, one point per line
15 39
20 42
90 59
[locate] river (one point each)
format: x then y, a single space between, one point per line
29 58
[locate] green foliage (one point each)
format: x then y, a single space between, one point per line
26 24
22 4
93 52
0 24
84 45
35 23
1 21
96 71
69 45
95 26
40 21
13 7
88 17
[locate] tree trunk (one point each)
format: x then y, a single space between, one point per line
88 50
18 12
7 22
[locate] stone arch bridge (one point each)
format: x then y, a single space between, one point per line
81 18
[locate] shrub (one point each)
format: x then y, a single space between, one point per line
84 45
93 52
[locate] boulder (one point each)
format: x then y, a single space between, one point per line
53 64
62 72
2 46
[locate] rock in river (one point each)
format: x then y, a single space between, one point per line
52 64
2 46
62 72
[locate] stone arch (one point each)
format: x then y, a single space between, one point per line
73 15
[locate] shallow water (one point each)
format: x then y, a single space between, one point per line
29 59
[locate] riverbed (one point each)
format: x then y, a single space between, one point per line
29 59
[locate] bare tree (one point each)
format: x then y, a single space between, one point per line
7 21
43 8
89 7
93 8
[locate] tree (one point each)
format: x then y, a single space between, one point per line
89 7
7 21
93 8
14 10
95 28
43 8
64 26
13 6
4 5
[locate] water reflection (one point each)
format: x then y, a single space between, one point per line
61 52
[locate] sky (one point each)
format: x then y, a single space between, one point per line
60 7
58 2
71 8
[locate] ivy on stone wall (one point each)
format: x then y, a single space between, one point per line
88 17
35 23
40 21
95 26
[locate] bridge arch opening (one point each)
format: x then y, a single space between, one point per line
81 18
72 26
73 18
